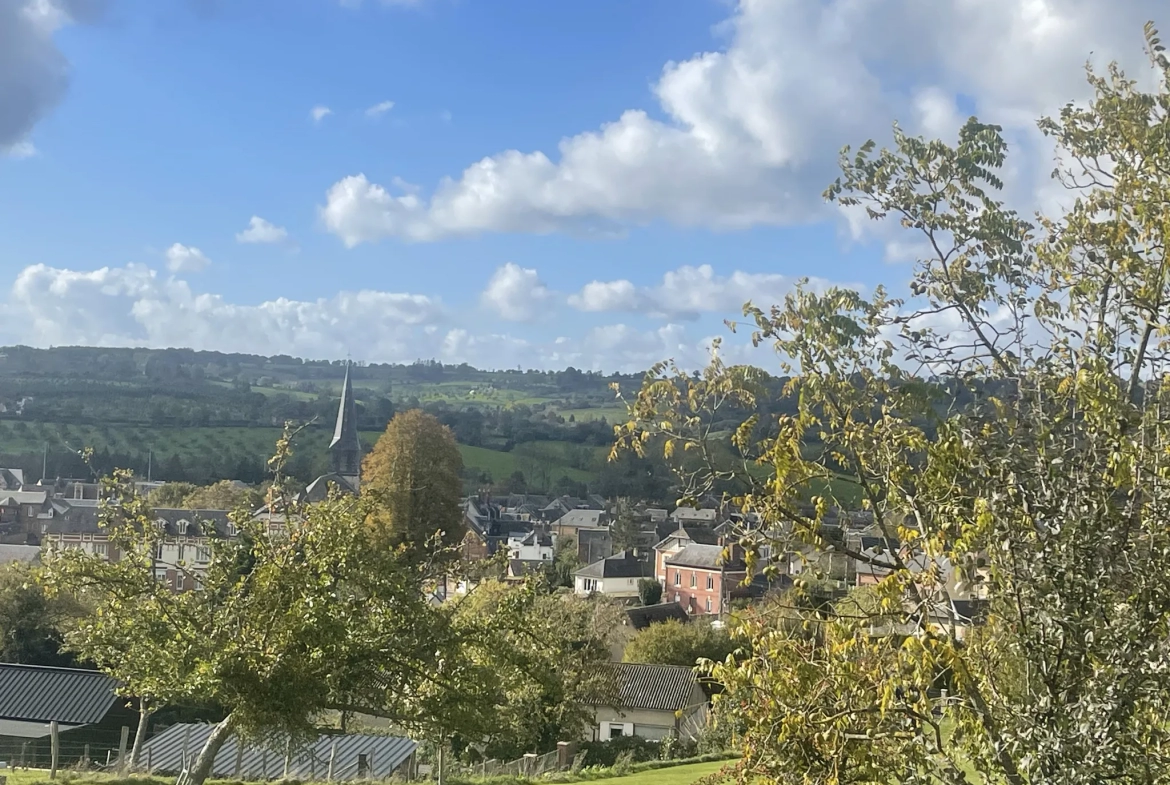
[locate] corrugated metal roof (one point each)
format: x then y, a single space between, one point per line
384 755
656 687
71 697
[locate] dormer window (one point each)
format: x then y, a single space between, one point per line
232 531
184 527
160 525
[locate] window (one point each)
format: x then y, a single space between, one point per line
202 554
231 530
694 580
184 527
616 731
677 597
708 605
710 582
678 577
101 549
158 552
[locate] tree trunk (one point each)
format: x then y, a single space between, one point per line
200 770
145 710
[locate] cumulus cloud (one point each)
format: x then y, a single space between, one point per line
688 292
377 110
33 72
516 293
319 113
750 135
186 259
262 231
135 305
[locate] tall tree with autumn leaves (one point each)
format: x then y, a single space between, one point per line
413 477
1049 486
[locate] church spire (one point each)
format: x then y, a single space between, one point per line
345 451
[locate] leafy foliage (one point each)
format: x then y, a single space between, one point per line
649 591
674 643
1046 493
548 656
412 474
31 623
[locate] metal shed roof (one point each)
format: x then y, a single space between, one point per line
656 687
31 693
384 754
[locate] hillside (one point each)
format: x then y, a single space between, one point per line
203 416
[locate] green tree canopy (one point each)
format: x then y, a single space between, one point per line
674 643
1043 495
549 658
412 476
288 622
649 591
32 624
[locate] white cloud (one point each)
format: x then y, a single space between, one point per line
516 293
20 150
261 231
186 259
319 113
377 110
135 305
687 292
607 296
751 134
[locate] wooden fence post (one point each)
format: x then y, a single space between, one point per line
239 757
122 744
84 758
332 760
55 748
287 757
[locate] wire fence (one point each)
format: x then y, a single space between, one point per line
38 754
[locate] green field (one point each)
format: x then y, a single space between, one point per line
672 775
549 460
612 414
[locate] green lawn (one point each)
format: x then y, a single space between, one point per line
673 775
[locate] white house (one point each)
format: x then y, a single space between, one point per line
616 576
533 546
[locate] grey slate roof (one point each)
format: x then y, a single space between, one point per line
703 557
693 532
641 618
71 518
620 565
589 519
656 687
384 754
31 693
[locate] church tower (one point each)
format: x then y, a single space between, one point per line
345 451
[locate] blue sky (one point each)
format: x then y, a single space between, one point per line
597 183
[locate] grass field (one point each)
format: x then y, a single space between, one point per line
612 414
192 445
673 775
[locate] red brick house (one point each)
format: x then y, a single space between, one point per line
700 579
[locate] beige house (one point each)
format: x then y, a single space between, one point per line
656 702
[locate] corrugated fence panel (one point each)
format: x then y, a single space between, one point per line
384 755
